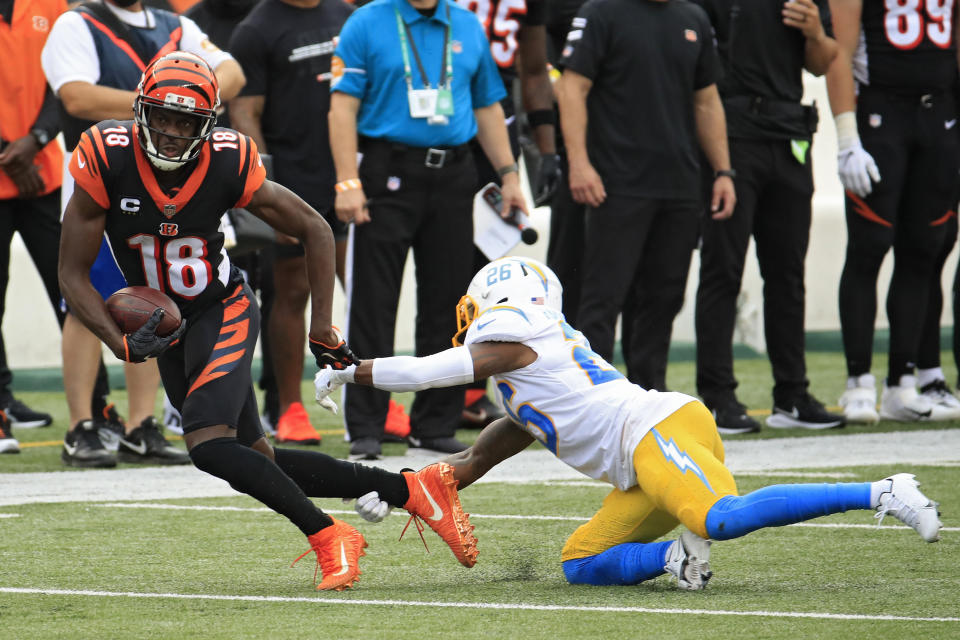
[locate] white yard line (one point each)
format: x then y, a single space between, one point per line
475 516
320 599
775 456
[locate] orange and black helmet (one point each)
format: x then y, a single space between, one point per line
180 82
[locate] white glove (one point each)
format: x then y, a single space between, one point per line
856 167
329 380
371 508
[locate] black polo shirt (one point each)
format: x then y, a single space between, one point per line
761 57
285 54
646 60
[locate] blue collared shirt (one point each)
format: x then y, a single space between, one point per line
372 70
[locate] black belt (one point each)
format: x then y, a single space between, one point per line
432 157
925 100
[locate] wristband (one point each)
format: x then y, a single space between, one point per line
729 173
541 117
510 168
347 185
847 135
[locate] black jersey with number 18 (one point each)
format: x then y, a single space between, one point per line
170 241
907 45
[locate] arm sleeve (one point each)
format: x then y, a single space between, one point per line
195 41
253 59
586 41
405 373
348 68
707 63
69 54
251 166
86 166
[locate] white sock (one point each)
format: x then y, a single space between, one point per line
877 489
926 376
865 381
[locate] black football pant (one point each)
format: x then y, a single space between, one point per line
428 210
636 257
913 140
773 205
37 220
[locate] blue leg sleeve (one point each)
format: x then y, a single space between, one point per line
782 504
628 563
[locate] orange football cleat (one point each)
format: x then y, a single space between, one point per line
434 498
398 422
294 426
338 548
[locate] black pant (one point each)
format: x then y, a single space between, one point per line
917 155
37 220
636 256
429 210
929 354
565 251
773 205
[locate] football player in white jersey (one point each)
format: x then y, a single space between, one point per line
660 451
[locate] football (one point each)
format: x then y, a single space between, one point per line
131 307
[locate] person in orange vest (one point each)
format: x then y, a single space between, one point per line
30 178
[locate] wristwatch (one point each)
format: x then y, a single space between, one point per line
729 173
41 136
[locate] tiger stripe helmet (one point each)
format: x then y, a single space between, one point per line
180 82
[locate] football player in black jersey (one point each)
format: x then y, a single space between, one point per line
157 186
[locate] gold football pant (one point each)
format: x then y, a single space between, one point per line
680 475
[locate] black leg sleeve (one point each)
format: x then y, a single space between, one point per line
321 476
254 474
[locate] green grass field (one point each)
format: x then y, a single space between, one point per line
220 567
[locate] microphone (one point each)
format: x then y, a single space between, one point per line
528 235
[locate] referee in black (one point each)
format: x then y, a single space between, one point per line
763 48
413 83
637 100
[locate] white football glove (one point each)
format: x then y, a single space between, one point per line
371 508
857 168
329 380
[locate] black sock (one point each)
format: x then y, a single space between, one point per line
321 476
250 472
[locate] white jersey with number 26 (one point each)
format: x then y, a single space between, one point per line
570 399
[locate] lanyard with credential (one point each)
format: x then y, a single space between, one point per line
406 38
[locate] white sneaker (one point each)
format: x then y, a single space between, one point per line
859 401
688 560
946 406
904 502
903 403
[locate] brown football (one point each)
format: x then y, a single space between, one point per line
131 307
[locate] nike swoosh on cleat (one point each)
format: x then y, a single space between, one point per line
344 567
139 448
437 511
70 449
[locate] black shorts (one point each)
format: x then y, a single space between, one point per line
207 374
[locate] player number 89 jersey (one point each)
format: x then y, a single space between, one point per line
570 399
170 241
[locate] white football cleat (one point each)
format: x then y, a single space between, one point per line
904 404
904 502
688 560
946 406
859 401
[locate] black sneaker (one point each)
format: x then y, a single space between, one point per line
111 427
805 412
365 449
440 445
480 414
146 445
23 417
8 444
82 447
732 418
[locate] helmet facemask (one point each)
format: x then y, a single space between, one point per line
466 313
180 83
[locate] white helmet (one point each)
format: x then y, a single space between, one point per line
514 281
